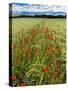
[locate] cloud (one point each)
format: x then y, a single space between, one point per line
38 8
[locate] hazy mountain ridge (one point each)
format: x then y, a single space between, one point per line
16 9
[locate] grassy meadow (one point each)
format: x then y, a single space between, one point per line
38 51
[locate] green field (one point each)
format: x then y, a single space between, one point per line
38 51
25 23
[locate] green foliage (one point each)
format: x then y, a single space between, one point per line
38 55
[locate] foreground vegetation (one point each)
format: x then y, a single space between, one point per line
38 52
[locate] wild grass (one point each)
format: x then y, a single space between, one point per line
39 54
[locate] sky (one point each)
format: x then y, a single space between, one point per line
57 2
38 8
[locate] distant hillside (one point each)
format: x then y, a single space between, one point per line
36 10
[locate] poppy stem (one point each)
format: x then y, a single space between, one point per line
41 79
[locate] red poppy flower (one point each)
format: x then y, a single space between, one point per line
13 77
48 49
22 83
45 70
50 36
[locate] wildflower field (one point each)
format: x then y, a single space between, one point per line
38 51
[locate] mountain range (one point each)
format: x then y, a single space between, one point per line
17 9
